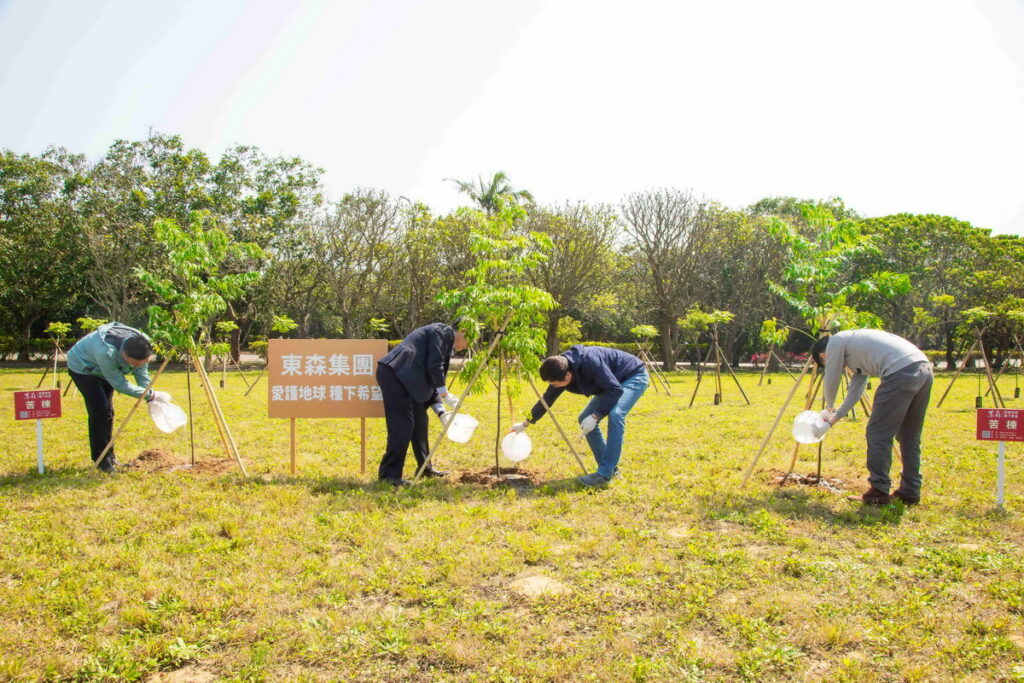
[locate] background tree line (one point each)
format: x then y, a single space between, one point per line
368 264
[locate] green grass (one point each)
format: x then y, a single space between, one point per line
674 573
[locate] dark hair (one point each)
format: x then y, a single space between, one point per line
137 348
817 349
554 369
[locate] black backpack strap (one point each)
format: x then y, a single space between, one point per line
118 333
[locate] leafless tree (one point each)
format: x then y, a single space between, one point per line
668 231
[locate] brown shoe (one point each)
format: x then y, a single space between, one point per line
905 499
872 497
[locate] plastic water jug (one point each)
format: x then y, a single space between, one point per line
807 427
516 447
461 428
166 416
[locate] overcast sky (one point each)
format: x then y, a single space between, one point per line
893 105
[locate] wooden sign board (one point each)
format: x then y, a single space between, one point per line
324 377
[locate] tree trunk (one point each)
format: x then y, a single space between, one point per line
553 317
26 330
668 349
236 344
950 360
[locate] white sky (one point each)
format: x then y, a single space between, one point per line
894 105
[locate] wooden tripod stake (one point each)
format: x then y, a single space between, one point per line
1018 352
652 368
767 363
719 359
979 345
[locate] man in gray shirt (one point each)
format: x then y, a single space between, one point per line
898 409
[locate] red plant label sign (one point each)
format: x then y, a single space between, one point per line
33 405
999 424
325 377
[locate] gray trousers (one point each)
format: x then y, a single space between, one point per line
898 411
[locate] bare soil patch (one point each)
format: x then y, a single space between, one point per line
506 476
833 484
159 460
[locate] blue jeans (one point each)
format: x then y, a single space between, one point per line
607 453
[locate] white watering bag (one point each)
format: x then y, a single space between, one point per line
166 416
516 447
809 427
461 428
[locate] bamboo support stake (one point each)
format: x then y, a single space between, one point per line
253 385
653 368
782 363
812 393
736 379
996 396
1017 351
240 373
206 390
778 418
131 412
700 376
220 415
767 362
558 426
465 393
967 359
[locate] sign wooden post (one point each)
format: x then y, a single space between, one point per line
362 445
37 405
293 445
312 378
998 424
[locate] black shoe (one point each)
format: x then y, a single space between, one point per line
905 499
108 464
395 481
431 472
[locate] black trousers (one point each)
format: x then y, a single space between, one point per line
406 422
99 403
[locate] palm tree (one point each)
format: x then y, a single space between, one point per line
488 195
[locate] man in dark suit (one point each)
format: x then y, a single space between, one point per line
411 379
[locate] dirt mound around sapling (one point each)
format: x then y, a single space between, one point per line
159 460
833 484
507 476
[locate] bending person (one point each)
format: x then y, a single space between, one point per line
98 363
411 378
616 380
899 406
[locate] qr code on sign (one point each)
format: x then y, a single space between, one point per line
986 434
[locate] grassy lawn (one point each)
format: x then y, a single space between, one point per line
674 573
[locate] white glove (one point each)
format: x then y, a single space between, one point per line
828 415
160 396
520 427
450 400
588 424
819 429
438 408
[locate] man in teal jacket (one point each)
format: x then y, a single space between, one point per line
98 363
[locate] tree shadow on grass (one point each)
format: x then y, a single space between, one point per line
31 481
800 504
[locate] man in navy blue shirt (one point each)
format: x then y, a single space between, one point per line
615 379
411 378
